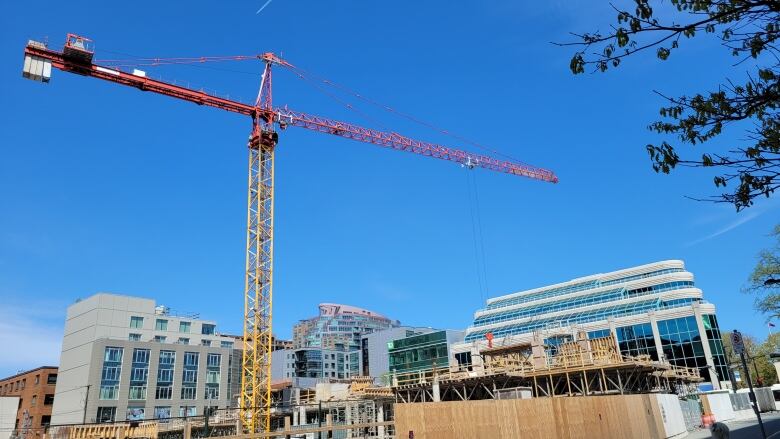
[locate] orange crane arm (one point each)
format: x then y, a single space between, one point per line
79 60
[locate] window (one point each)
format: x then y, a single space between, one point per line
212 393
165 376
159 338
187 411
464 360
712 330
48 399
34 400
599 333
637 340
45 420
111 373
188 393
212 377
139 374
109 392
136 322
51 379
213 360
183 340
37 379
161 325
205 342
189 376
24 383
167 357
141 356
207 329
137 392
226 344
162 412
163 392
113 354
134 337
135 413
190 358
106 414
681 343
184 327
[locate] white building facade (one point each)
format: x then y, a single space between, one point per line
127 358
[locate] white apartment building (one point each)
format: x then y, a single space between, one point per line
127 358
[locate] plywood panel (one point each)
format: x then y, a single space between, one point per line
618 416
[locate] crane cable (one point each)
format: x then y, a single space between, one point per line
480 260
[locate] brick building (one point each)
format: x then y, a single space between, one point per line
35 390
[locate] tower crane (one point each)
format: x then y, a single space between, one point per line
255 399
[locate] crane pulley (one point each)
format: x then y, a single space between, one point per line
77 57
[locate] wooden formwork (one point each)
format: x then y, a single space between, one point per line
110 431
579 368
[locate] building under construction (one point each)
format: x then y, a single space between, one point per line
582 367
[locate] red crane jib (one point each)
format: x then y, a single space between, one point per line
285 117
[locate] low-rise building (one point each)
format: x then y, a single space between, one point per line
374 353
422 352
33 391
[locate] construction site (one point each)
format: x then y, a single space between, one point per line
583 387
539 390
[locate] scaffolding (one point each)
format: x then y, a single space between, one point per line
581 367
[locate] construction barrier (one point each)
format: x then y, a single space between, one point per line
691 410
718 404
616 416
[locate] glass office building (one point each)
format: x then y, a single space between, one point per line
422 352
654 310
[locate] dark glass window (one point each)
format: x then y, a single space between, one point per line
637 340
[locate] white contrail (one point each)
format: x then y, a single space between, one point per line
263 7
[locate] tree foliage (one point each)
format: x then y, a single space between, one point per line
749 30
765 279
756 357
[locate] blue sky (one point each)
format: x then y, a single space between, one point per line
105 188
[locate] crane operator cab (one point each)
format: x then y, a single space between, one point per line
78 49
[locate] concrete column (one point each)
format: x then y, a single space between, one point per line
656 335
302 415
295 420
612 328
705 342
435 389
380 417
348 417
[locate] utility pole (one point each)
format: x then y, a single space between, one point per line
86 400
739 347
